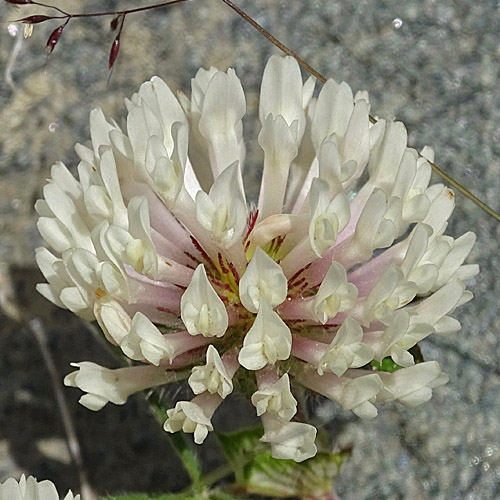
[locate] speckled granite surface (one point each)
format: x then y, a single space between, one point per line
438 71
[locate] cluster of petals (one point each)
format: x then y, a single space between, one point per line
31 489
342 261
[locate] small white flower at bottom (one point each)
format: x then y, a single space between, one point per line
292 440
275 398
193 417
31 489
214 377
114 386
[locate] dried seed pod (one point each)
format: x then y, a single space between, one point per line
34 19
54 38
113 53
18 2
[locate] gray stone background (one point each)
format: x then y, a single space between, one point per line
438 72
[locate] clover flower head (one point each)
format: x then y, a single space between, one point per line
31 489
340 263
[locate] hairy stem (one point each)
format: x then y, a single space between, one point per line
183 449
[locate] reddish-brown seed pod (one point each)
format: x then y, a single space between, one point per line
54 38
18 2
34 19
113 54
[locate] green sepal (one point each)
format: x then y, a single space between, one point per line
285 478
387 365
257 472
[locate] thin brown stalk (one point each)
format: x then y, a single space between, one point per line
36 326
450 180
105 13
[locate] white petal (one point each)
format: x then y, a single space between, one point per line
153 346
454 260
220 121
268 340
110 179
334 295
442 205
161 99
330 164
55 234
373 230
328 216
202 310
76 302
356 143
293 440
280 147
168 180
385 159
332 112
263 281
223 215
212 377
281 92
115 386
276 398
435 308
113 320
346 350
193 416
412 386
359 391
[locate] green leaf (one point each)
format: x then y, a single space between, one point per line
257 472
240 447
285 478
214 495
222 495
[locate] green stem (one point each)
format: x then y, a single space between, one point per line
188 458
217 474
183 449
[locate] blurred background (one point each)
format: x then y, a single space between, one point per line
433 64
